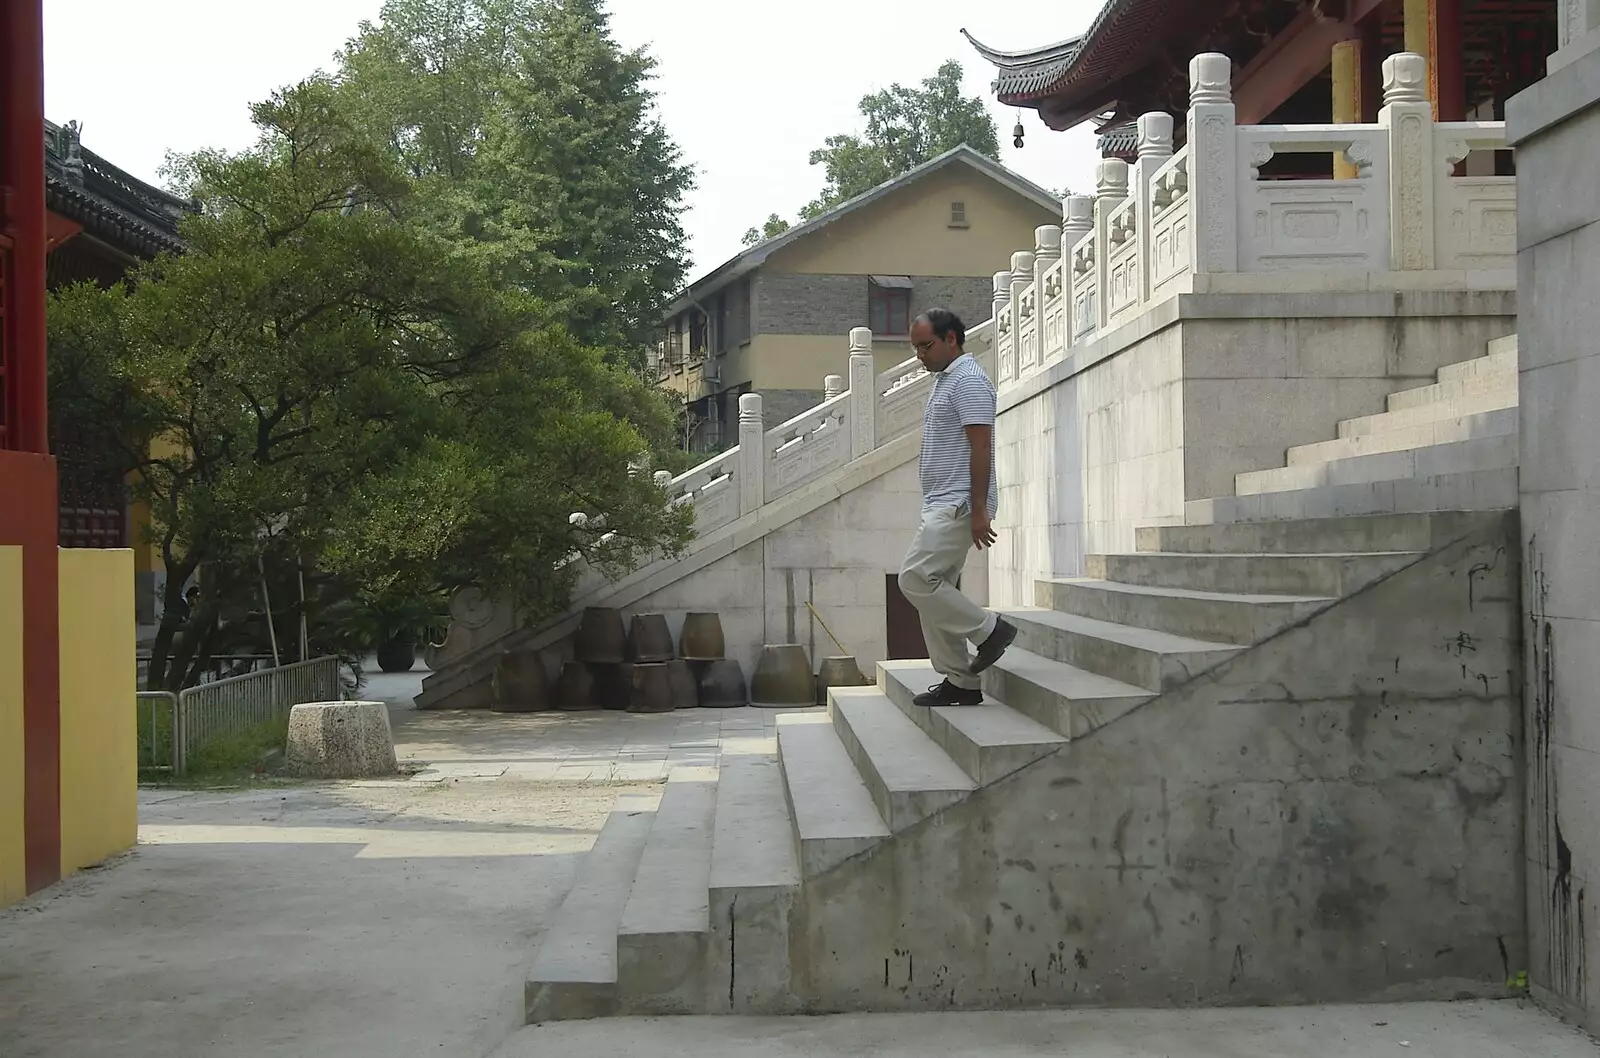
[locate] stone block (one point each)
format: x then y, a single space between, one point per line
1561 552
340 740
1561 432
1560 317
1555 124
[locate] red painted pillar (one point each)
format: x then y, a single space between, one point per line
22 172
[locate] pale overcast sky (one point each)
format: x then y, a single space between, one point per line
747 102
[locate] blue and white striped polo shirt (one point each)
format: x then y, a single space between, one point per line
962 396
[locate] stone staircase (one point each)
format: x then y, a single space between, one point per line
1451 445
1268 761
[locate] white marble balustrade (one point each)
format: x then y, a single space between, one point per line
1152 230
767 465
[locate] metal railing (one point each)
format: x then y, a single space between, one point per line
158 741
234 705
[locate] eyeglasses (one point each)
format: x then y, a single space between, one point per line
925 347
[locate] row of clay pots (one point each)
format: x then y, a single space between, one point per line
519 685
783 677
602 641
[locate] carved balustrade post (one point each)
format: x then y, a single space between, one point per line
1155 150
1046 252
1407 115
1111 188
1213 166
752 454
863 394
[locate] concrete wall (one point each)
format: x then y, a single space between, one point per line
99 761
1555 125
836 557
1169 408
13 876
1334 815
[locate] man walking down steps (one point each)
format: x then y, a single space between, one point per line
959 501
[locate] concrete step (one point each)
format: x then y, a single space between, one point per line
1210 616
1498 423
661 941
1501 395
909 776
1141 657
752 842
1460 457
755 876
1336 575
1067 700
1482 490
1503 384
574 971
1414 533
834 817
1501 357
988 741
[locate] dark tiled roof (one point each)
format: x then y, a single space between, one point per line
110 204
1119 141
1024 74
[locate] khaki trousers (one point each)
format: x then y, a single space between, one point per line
930 579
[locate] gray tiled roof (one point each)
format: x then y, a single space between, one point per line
1027 73
108 202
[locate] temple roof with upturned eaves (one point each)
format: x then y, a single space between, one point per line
112 205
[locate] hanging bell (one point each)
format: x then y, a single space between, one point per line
1016 135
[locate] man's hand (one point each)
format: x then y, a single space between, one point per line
983 534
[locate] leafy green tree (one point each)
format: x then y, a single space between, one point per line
774 226
905 127
324 389
536 138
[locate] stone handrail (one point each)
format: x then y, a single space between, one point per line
767 464
1153 230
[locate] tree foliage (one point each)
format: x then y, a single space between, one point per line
905 127
325 387
774 226
534 138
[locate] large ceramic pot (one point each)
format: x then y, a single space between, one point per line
722 685
702 638
520 683
601 639
685 688
652 688
397 654
838 672
783 677
613 685
574 689
650 639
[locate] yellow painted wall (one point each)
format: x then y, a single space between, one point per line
99 755
13 874
908 232
802 361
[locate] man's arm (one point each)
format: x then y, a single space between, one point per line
980 439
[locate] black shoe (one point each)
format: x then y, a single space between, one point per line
998 642
947 693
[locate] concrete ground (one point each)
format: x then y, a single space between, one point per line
395 918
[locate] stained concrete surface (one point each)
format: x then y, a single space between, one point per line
1504 1029
395 918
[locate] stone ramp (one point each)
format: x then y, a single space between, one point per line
1081 847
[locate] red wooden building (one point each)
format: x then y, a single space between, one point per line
1295 61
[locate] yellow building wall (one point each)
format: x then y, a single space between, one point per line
909 233
802 361
13 875
99 753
